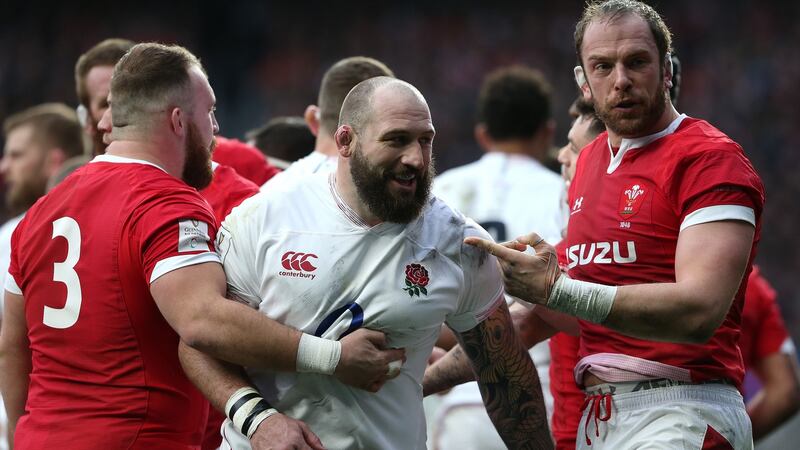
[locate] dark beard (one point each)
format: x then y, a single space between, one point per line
197 171
22 196
634 126
372 184
98 146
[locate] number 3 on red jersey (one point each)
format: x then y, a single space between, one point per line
64 272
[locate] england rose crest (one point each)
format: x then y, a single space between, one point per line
416 279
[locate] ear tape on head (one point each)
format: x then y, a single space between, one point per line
83 115
580 77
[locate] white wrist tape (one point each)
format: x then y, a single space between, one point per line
257 419
247 409
318 355
582 299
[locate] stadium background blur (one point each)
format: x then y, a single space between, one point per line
265 59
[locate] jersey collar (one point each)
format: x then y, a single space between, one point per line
353 216
630 144
348 212
123 160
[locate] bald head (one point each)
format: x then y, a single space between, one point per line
339 80
357 108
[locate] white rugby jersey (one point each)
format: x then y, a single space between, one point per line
509 195
301 256
314 162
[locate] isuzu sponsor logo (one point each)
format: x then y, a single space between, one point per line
298 265
601 253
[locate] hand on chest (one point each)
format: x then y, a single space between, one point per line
330 285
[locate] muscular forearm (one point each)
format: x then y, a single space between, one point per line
508 382
15 371
671 312
192 299
529 325
216 379
236 333
767 410
455 368
779 398
451 370
15 361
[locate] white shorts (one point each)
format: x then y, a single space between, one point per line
692 417
465 427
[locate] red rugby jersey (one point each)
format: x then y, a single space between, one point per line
105 362
245 159
763 330
626 215
227 190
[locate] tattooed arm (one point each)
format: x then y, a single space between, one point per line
508 382
455 368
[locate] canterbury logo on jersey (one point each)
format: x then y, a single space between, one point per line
600 253
298 265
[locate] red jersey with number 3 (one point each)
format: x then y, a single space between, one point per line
627 209
105 371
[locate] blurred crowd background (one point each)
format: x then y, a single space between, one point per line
740 70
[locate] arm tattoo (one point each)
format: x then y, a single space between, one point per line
453 369
508 382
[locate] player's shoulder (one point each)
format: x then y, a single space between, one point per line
696 137
110 178
538 178
276 200
444 228
698 147
227 178
288 187
459 175
159 186
593 151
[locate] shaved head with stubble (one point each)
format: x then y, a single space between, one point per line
385 135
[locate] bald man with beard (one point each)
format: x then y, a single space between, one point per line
370 248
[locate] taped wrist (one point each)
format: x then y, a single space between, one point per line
318 355
582 299
247 409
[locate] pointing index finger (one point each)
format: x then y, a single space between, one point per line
497 250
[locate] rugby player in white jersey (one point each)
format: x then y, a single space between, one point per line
367 246
323 119
515 128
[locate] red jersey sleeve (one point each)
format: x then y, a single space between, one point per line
176 230
716 183
769 332
13 276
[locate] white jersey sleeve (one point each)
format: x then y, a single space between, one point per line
483 285
236 244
